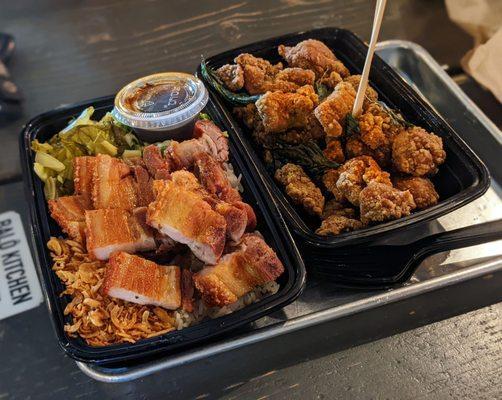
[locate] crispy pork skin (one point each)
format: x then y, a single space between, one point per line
83 175
110 230
113 186
135 279
68 212
186 217
239 272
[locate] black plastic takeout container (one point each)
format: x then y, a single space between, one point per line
461 179
270 224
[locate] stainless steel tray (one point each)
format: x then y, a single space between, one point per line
322 302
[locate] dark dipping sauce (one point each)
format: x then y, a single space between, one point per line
161 106
157 98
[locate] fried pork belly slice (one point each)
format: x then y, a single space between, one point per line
68 212
380 202
109 230
422 189
83 175
186 217
331 112
417 152
113 186
280 111
358 172
236 216
314 55
336 224
300 188
254 263
135 279
232 76
155 163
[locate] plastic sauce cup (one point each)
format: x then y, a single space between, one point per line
161 106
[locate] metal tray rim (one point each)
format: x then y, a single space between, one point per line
308 320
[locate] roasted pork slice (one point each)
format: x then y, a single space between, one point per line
143 186
156 164
187 290
213 137
69 213
186 217
110 230
113 186
254 263
213 178
83 175
135 279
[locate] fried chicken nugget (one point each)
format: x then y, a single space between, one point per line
314 55
334 151
329 180
260 76
380 202
232 76
354 147
356 174
417 152
249 115
335 207
300 188
422 189
331 112
336 224
371 94
280 111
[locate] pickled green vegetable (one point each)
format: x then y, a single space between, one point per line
82 137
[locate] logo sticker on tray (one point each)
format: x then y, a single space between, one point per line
19 287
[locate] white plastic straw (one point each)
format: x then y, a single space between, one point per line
377 22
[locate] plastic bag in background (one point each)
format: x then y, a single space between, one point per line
483 20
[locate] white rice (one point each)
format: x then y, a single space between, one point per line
201 311
234 180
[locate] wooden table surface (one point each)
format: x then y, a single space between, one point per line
72 51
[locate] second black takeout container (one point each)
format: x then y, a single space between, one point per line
270 224
461 179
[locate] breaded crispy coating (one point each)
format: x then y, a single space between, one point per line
249 115
377 130
314 55
334 151
329 180
336 224
280 111
356 174
380 202
422 189
354 147
260 76
417 152
371 94
300 188
330 79
331 112
335 207
232 76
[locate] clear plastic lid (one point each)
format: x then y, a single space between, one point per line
161 101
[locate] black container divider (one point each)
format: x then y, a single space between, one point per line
461 179
270 224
